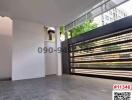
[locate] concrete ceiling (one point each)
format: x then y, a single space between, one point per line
47 12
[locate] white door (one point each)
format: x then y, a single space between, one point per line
50 58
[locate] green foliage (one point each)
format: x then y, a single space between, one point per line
87 26
62 29
62 32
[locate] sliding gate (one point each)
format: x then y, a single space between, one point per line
105 51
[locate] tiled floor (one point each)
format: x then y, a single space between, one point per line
58 88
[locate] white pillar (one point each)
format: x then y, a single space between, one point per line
58 55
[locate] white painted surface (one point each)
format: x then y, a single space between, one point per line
5 47
47 12
27 62
50 59
53 62
58 54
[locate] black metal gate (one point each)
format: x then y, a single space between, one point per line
105 51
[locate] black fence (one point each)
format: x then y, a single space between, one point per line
105 51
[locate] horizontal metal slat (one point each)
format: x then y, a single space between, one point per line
101 53
101 68
111 60
120 42
106 72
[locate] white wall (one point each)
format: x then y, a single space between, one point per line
58 55
27 62
53 64
5 47
19 58
50 59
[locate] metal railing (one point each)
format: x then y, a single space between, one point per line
98 9
105 51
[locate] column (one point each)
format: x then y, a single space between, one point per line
58 54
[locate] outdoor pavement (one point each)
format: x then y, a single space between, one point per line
58 88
